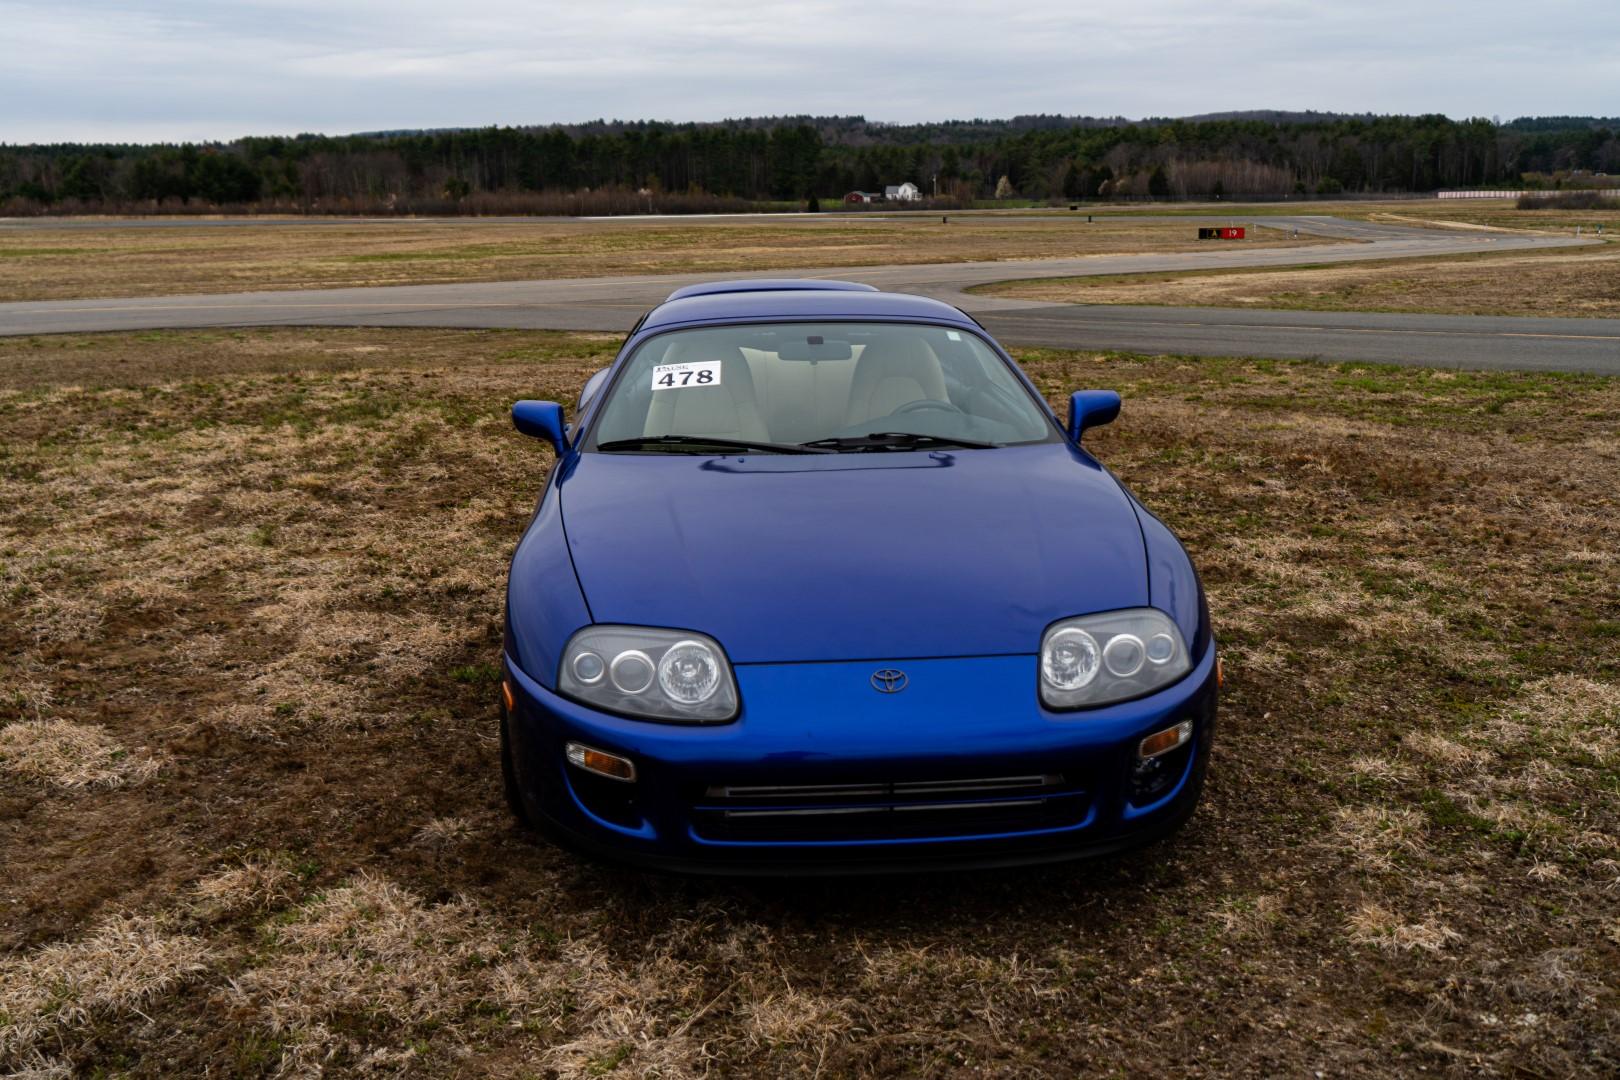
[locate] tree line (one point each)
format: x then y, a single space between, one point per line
623 167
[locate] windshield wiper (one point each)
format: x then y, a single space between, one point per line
682 442
894 440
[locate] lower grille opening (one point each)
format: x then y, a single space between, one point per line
887 810
610 800
1151 780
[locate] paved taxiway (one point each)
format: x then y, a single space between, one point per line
614 303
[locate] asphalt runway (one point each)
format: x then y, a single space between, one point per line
614 304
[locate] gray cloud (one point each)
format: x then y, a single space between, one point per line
137 71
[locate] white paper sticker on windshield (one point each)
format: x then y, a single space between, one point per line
676 376
953 335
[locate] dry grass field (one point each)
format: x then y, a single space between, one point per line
250 815
1578 283
42 263
1495 214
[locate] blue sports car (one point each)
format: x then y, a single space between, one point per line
818 583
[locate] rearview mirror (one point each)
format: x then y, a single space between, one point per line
1091 408
541 420
814 348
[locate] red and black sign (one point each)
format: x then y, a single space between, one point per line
1224 233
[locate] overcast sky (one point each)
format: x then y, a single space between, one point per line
136 70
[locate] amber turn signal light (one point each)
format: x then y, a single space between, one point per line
601 762
1162 742
506 695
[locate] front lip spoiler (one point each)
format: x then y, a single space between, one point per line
901 864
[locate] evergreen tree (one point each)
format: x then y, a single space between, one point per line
787 158
1074 184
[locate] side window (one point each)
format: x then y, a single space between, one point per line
626 413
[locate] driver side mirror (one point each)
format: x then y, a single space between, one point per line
1091 408
541 420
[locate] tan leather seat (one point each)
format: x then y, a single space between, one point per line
892 372
728 410
800 400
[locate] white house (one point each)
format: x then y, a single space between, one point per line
906 192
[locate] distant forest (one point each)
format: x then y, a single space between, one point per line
623 167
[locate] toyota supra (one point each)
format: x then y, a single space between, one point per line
818 583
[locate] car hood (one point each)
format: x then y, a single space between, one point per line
853 556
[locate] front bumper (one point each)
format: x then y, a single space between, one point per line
820 774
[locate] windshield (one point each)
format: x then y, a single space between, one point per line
828 386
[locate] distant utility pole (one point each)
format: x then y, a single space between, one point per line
936 185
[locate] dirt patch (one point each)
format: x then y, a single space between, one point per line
294 552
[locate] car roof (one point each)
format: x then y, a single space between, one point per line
714 288
791 299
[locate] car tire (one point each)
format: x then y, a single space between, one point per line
514 795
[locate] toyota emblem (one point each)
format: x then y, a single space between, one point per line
889 680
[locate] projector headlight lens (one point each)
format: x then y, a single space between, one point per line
1114 656
1069 660
689 673
588 667
1124 655
631 671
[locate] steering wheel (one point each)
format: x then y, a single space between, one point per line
927 405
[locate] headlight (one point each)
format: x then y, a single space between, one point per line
656 674
1096 659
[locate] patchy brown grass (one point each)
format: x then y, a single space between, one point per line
106 974
70 755
1578 284
273 561
1496 214
43 263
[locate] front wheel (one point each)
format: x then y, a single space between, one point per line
514 797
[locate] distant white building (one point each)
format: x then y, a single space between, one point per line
906 192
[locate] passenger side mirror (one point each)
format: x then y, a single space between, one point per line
1091 408
541 420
